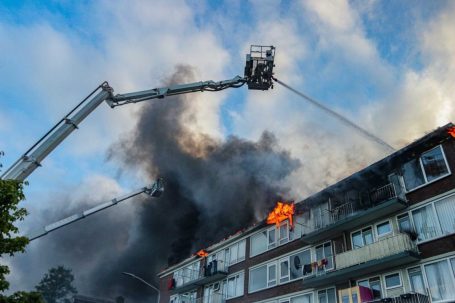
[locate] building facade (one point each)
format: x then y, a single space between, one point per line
387 231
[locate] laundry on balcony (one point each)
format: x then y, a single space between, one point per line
171 284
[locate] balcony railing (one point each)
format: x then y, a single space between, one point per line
386 247
356 212
210 272
405 298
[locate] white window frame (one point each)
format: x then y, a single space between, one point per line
276 274
272 245
424 173
421 272
325 290
361 229
387 233
452 276
249 278
390 274
383 291
288 276
333 254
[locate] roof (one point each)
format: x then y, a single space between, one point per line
394 160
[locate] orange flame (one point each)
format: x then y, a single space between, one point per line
281 212
202 253
451 131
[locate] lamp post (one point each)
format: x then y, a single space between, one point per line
145 282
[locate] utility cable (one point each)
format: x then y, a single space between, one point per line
338 116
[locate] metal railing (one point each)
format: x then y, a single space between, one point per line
383 193
190 275
377 250
411 297
330 216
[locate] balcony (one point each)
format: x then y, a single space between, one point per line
378 256
382 201
191 279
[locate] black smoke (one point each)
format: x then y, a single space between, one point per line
213 188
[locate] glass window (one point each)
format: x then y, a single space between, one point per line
416 280
258 278
445 210
234 254
324 251
284 232
272 238
242 249
271 280
362 238
308 298
403 223
297 261
258 243
425 222
412 174
374 284
383 228
392 280
439 280
433 164
284 270
327 296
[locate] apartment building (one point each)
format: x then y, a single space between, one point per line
387 231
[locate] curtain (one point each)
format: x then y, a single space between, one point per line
440 281
446 214
425 223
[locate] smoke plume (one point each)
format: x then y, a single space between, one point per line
213 189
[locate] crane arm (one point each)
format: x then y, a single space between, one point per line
258 73
155 190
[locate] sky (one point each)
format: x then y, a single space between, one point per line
387 65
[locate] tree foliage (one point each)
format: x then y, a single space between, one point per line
56 286
23 297
11 193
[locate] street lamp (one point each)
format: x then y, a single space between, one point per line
145 282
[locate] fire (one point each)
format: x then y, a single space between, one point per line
202 253
451 131
281 212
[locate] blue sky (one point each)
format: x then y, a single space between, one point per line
388 65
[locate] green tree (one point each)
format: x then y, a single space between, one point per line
56 286
11 193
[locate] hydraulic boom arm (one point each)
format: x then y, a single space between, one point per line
258 73
154 190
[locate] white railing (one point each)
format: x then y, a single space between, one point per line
189 275
383 193
377 250
406 298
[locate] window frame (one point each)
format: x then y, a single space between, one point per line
378 236
449 172
325 290
383 291
361 233
390 274
250 276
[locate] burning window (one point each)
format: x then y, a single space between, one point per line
281 212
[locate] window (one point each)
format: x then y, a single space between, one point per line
362 238
383 229
284 232
235 253
327 296
271 275
430 166
404 225
272 238
416 280
297 262
392 280
445 210
307 298
425 222
324 251
258 243
374 284
258 278
440 280
284 270
234 286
